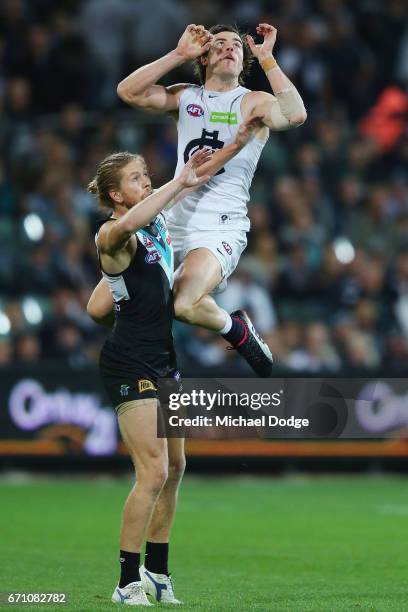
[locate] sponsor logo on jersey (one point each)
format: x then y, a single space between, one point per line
227 247
148 242
152 257
228 118
224 218
145 385
195 110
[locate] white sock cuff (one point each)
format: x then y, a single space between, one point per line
228 324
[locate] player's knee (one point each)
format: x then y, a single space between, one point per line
184 308
159 479
153 475
176 469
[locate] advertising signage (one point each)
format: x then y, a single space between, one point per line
65 413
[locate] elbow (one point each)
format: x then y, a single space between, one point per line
299 118
93 312
126 95
123 92
98 314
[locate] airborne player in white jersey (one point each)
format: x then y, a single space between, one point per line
208 227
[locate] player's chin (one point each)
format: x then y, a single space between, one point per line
229 71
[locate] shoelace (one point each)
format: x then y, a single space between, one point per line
169 581
170 586
136 589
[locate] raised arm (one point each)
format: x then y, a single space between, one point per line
285 109
140 88
114 235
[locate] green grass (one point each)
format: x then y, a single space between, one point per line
300 544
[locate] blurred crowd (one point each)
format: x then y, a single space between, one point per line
325 274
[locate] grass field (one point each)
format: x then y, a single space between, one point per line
300 544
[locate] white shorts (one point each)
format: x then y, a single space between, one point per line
226 246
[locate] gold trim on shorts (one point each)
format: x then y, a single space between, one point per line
137 403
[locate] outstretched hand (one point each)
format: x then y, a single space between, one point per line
265 49
188 176
248 129
195 41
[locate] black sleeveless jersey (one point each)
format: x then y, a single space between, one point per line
142 294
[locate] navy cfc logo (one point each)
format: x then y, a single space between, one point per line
207 139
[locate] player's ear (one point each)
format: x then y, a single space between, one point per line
204 60
116 196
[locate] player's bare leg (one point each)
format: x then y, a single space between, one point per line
138 425
196 277
154 573
165 508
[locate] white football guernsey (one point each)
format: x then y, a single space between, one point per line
211 119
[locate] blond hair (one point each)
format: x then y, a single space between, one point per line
108 175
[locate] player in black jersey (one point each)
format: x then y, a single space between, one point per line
136 260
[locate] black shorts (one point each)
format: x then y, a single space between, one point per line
129 376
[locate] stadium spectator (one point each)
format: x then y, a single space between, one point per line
27 350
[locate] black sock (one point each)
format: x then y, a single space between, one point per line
129 568
236 333
156 558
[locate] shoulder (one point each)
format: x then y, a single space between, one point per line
102 225
244 90
102 233
179 89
